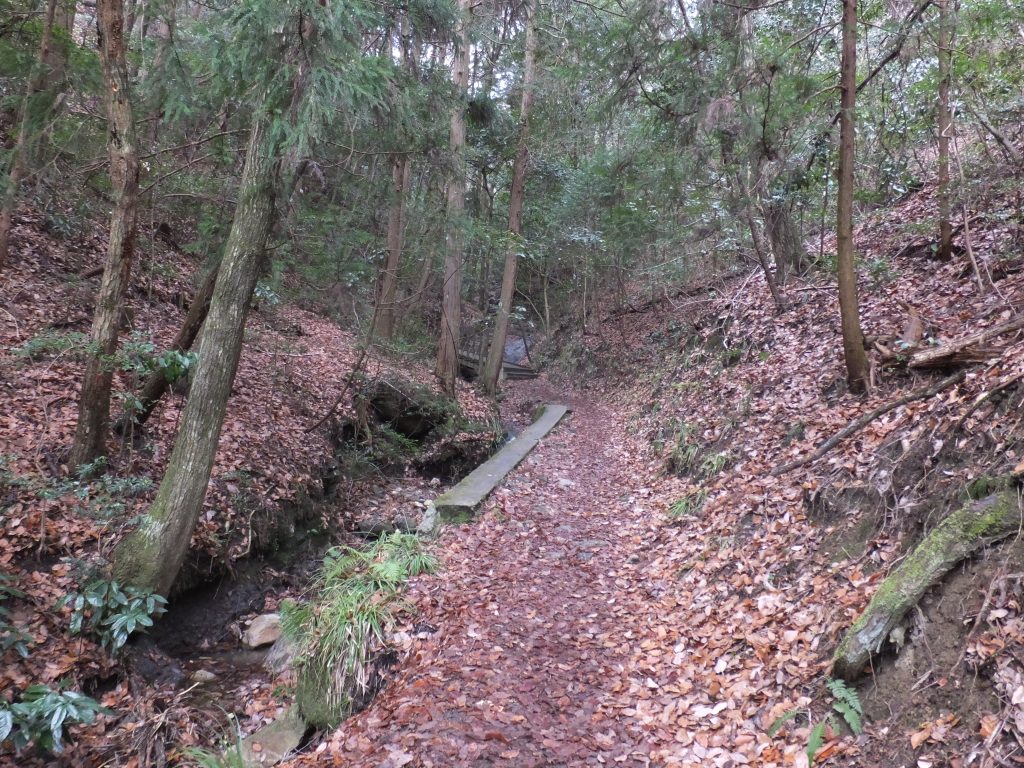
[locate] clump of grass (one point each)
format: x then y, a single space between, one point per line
689 504
342 632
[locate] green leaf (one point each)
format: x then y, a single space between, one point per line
57 722
847 703
781 720
6 724
850 716
815 740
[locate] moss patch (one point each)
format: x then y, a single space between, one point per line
961 534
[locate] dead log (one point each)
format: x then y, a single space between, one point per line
968 349
974 526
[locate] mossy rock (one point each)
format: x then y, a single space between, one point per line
410 409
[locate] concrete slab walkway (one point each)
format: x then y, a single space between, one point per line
458 504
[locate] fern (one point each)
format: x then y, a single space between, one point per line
816 740
781 720
847 703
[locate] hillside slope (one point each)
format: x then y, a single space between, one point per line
275 483
774 566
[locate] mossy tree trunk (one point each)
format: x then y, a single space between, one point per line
151 556
94 399
976 525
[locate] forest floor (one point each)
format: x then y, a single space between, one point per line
645 589
525 660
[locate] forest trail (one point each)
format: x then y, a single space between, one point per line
532 609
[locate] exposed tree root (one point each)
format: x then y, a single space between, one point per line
972 527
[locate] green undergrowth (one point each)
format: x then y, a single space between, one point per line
340 634
845 702
688 505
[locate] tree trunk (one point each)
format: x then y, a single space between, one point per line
54 76
164 31
496 355
945 122
451 301
21 150
761 249
156 383
790 254
151 556
64 26
853 337
385 322
94 399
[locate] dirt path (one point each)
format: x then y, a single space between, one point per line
520 658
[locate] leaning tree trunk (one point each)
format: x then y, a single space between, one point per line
385 323
496 355
20 152
152 555
451 294
849 310
94 399
959 536
944 125
761 249
156 384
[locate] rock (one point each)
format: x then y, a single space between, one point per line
405 524
431 521
203 676
566 483
374 527
263 630
272 743
411 409
280 655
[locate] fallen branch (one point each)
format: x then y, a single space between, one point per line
859 423
984 398
966 349
349 381
969 529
